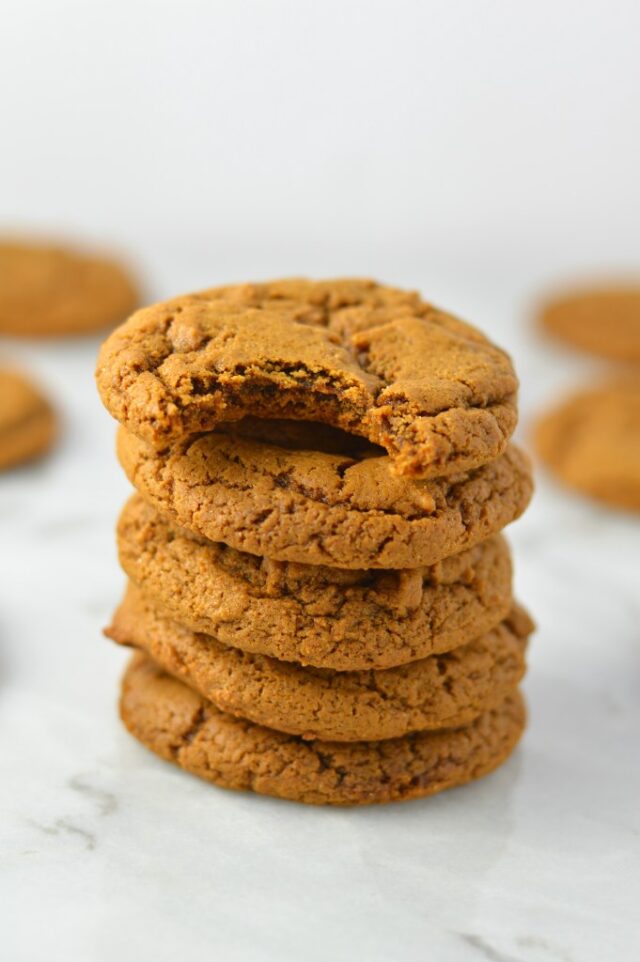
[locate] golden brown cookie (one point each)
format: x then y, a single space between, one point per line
183 727
47 291
591 442
602 320
327 617
304 505
371 360
444 691
28 424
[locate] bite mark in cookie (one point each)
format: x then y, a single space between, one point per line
370 360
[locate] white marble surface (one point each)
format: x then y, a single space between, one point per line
108 853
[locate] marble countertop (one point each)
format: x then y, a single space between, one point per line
108 853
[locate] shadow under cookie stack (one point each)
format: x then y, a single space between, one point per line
319 594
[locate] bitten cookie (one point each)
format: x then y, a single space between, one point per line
183 727
327 617
604 321
591 442
47 291
444 691
304 505
371 360
28 425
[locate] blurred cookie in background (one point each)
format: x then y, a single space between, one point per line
603 320
53 291
591 442
28 424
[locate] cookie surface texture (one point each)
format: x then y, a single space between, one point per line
434 392
328 617
444 691
181 726
300 504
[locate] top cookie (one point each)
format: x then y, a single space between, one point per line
372 360
47 291
604 321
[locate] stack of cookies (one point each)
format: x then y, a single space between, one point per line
319 594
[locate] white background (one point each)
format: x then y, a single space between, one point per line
479 151
354 129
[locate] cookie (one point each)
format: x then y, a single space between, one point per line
183 727
604 321
371 360
591 442
47 291
304 505
28 424
327 617
444 691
